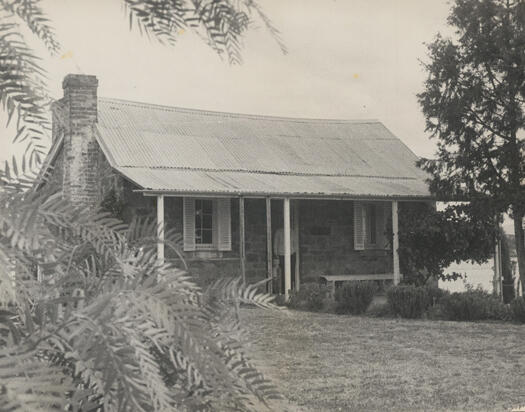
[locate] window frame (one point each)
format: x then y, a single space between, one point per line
221 226
206 246
372 232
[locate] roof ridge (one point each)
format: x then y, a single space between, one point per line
235 115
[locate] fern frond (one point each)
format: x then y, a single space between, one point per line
132 333
276 33
35 19
160 396
220 23
7 279
233 290
106 359
22 92
142 234
186 325
14 179
29 384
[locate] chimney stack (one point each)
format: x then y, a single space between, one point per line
78 118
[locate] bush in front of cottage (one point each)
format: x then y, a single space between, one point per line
310 296
410 301
474 304
517 307
354 297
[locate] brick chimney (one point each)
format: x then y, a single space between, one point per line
76 116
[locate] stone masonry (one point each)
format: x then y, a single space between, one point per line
80 150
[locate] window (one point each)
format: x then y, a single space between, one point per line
370 225
207 224
204 222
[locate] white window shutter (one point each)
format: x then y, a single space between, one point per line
189 224
359 226
224 224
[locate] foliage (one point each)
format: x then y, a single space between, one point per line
112 204
221 24
355 297
106 325
517 307
473 304
429 241
434 312
310 296
381 310
23 94
473 103
435 294
409 301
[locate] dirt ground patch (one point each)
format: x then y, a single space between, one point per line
326 362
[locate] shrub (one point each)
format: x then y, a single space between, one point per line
435 294
474 304
311 296
381 310
354 297
409 301
517 307
434 312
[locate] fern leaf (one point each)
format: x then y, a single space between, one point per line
29 384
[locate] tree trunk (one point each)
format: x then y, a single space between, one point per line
520 246
507 283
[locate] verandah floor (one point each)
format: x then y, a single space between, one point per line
326 362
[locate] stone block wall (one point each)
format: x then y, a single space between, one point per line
206 266
255 228
326 239
216 264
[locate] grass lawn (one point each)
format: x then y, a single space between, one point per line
326 362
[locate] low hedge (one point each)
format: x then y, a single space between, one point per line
354 297
517 308
409 301
472 305
311 296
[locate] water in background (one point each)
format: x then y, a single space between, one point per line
476 275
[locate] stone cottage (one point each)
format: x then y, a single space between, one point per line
251 195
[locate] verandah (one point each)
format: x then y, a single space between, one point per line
287 220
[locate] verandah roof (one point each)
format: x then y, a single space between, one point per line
237 183
167 149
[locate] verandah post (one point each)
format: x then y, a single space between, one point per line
269 255
160 229
287 250
242 240
296 242
395 243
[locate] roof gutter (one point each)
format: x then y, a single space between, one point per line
281 195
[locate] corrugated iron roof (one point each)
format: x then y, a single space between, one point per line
236 183
164 148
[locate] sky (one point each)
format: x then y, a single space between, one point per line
351 59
